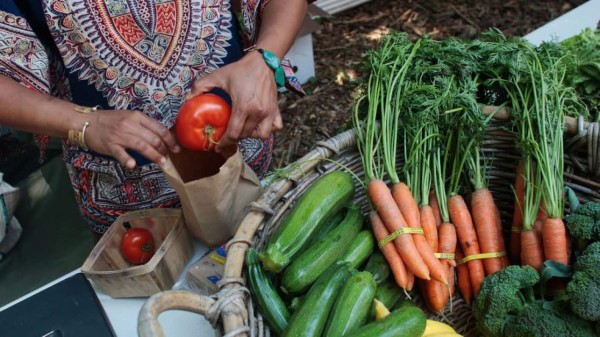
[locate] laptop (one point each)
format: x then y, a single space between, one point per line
69 308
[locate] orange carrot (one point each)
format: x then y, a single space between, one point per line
407 204
411 280
517 223
484 217
409 209
451 281
532 252
438 294
464 281
435 294
501 245
554 236
465 231
389 251
435 207
430 229
392 218
448 240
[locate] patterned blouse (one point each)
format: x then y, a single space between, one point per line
125 54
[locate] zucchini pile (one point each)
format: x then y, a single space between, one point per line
320 272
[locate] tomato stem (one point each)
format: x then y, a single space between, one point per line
209 130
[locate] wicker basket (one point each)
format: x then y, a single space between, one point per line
233 312
116 277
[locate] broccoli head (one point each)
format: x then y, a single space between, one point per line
584 222
502 296
507 307
584 288
537 321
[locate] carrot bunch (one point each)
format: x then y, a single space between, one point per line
393 207
421 111
539 102
435 210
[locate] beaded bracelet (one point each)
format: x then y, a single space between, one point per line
273 62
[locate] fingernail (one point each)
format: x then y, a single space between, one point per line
176 148
163 160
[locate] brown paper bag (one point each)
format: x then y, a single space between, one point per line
213 191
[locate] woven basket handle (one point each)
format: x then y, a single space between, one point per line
148 324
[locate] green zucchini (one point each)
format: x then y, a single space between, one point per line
360 249
306 268
378 267
321 201
310 318
329 226
403 303
296 302
351 309
270 304
405 322
388 293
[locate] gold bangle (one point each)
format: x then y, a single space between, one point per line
78 137
86 109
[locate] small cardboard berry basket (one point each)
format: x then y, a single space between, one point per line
109 271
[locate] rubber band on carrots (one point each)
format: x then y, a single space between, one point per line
481 257
395 234
446 256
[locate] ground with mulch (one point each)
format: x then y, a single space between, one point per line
342 40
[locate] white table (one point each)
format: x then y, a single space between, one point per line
123 312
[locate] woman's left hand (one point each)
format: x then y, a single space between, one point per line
251 85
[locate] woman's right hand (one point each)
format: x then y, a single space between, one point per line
112 132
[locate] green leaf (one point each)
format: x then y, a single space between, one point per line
573 201
553 269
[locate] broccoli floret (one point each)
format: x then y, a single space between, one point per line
589 261
591 209
506 307
584 223
584 288
502 296
582 227
537 321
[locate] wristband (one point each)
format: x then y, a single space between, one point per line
78 137
274 63
86 109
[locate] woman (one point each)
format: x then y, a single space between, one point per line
135 61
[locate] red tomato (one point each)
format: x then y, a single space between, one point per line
201 122
137 245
